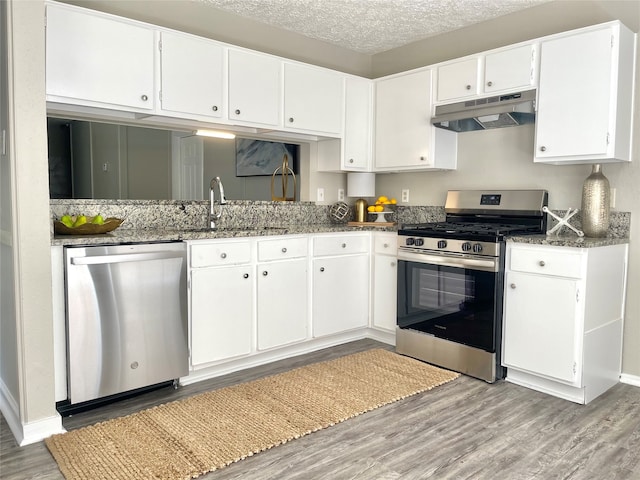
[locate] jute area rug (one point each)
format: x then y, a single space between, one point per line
191 437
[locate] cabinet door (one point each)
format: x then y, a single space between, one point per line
509 69
254 88
403 122
385 281
357 128
221 313
313 99
340 294
574 96
282 303
541 325
95 60
192 75
458 80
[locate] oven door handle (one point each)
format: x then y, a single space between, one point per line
486 265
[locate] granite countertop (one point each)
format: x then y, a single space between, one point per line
568 240
131 235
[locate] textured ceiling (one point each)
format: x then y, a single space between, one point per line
371 26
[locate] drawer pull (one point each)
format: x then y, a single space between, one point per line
513 286
284 249
344 245
223 255
541 263
322 269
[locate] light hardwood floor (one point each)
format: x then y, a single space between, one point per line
466 429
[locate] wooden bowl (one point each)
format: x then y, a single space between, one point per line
87 228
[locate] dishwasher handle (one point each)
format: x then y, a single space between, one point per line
124 257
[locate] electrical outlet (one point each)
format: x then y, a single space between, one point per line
320 197
341 194
612 198
405 195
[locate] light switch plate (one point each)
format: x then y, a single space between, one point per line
341 194
320 197
405 195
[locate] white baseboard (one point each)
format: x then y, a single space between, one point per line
26 433
630 379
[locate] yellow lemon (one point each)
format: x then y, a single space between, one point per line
382 199
379 208
393 201
371 208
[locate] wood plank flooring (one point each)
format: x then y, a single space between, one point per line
466 429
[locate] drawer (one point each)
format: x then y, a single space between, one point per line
282 248
220 253
386 244
556 262
340 245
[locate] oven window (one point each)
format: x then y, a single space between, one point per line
455 303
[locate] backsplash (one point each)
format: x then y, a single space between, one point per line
176 215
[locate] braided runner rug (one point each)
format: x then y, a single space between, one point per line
188 438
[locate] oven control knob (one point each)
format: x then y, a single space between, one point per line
442 244
409 241
477 248
419 242
466 246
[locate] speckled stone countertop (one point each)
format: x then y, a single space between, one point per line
145 235
568 240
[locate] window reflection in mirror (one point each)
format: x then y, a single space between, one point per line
109 161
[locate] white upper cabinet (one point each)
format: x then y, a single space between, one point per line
356 143
191 75
403 131
506 70
98 60
313 99
254 88
510 69
458 80
585 98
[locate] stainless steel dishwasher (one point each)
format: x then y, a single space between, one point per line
126 317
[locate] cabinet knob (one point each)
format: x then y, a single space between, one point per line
246 275
290 119
144 98
322 269
393 264
513 285
223 255
284 249
265 273
386 245
344 245
468 87
351 160
489 84
422 158
237 111
214 108
543 148
541 263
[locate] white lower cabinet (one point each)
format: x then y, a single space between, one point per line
563 318
221 288
282 303
385 281
340 283
221 313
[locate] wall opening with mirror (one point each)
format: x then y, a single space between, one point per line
109 161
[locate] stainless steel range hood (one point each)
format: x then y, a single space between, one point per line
485 113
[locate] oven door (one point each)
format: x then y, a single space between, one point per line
450 296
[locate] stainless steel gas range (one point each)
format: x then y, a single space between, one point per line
451 278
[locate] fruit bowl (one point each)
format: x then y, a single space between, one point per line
87 228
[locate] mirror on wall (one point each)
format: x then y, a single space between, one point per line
109 161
